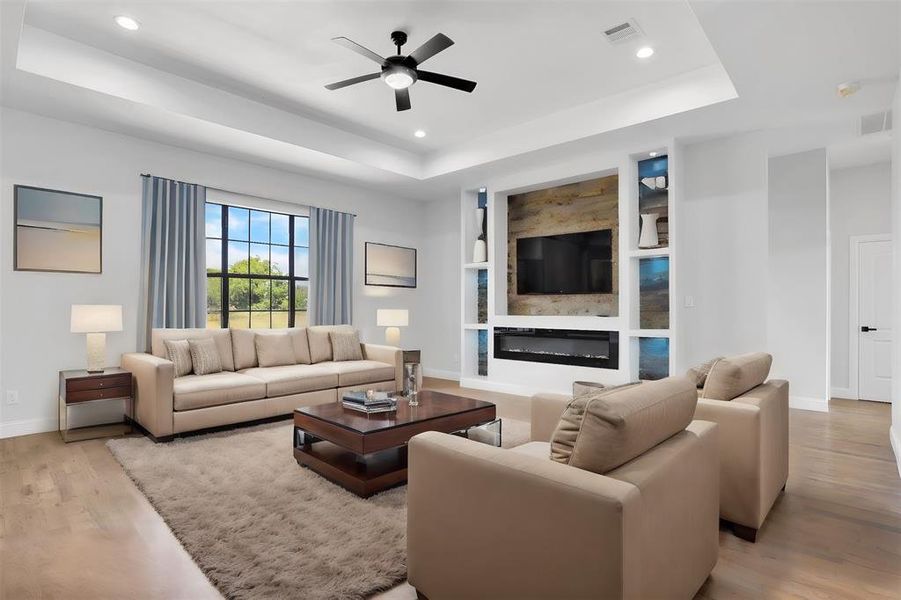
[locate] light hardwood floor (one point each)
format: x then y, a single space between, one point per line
72 524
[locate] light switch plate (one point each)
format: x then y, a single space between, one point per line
12 396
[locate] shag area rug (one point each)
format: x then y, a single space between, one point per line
260 526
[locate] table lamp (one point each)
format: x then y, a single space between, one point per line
392 318
95 320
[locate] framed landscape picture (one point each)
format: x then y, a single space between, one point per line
57 231
390 266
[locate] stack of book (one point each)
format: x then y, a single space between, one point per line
378 402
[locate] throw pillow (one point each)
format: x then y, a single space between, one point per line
345 346
179 352
731 377
205 356
320 345
274 350
699 373
603 430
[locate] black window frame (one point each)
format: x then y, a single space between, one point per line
224 275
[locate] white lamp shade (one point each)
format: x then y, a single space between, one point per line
96 318
392 317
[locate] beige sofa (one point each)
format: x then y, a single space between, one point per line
166 405
753 440
485 522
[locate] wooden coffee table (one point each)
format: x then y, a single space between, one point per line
368 453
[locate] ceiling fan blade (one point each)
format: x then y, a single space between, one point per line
341 84
402 98
463 85
351 45
438 43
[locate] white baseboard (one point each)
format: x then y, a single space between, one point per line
27 427
845 393
809 403
894 435
440 374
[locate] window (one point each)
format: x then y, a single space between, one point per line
257 266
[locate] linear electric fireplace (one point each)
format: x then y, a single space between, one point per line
598 349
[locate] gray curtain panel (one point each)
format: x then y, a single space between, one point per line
173 270
331 267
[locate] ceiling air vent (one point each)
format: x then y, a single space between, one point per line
876 122
623 32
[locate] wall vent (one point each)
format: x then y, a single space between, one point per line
876 122
623 32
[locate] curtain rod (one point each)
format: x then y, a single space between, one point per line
211 187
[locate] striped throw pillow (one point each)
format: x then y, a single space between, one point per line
205 356
180 354
345 346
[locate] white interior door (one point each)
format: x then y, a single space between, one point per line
874 370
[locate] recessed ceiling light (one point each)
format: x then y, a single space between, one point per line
419 133
645 52
652 154
127 23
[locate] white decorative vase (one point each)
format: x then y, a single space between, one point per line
480 248
648 237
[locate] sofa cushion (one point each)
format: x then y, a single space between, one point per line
603 430
357 372
244 343
198 391
294 379
320 344
221 336
345 345
699 373
731 377
179 352
274 350
205 356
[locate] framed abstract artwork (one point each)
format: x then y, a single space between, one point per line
390 266
57 231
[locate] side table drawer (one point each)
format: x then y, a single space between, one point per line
99 394
98 383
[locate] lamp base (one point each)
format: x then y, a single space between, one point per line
96 344
392 336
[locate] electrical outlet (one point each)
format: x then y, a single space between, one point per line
12 396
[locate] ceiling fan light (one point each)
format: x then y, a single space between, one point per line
399 80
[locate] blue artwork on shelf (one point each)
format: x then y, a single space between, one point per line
483 352
653 293
482 303
483 198
653 358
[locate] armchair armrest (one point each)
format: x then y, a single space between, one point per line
154 377
387 354
753 447
546 410
518 526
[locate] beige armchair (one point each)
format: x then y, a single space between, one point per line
485 522
753 446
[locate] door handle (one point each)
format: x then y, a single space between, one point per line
866 329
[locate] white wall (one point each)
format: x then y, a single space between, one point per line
722 247
439 318
798 283
896 245
859 204
34 320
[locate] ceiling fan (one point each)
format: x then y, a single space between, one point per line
400 72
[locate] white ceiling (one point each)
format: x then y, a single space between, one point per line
244 79
529 58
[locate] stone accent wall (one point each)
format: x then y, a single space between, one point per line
573 208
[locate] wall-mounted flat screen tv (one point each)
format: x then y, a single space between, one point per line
571 263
